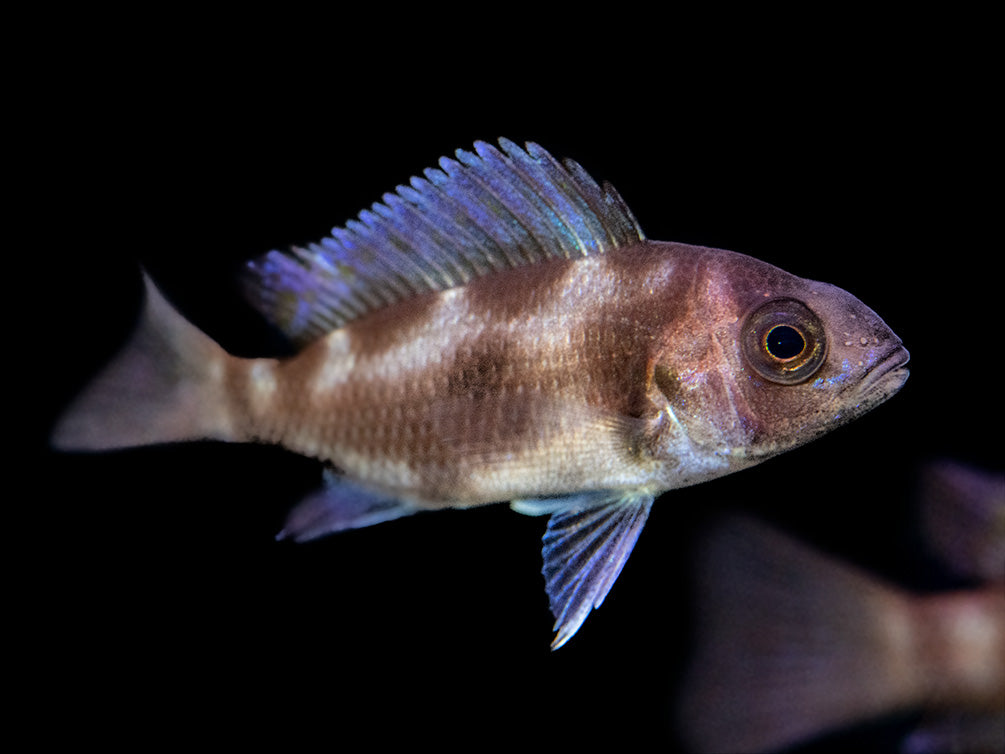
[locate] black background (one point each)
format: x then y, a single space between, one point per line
158 605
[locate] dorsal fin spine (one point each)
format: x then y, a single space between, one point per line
491 213
407 264
355 298
617 232
404 275
450 189
416 200
406 222
382 279
443 206
523 201
531 174
478 213
590 229
516 200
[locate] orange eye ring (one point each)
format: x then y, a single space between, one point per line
784 341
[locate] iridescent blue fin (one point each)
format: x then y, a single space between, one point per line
588 540
484 211
338 506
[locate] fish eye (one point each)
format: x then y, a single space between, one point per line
784 341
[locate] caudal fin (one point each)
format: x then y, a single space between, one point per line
790 643
164 386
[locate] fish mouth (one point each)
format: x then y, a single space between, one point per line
887 375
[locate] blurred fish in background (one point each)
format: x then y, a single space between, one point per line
963 518
792 643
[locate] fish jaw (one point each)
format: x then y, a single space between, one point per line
885 379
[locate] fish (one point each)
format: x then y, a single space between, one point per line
793 643
500 330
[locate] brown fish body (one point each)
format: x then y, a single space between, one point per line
611 372
478 394
501 330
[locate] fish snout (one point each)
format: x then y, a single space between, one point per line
888 374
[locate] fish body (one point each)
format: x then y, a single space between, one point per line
549 380
502 330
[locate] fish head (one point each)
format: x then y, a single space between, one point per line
783 360
813 357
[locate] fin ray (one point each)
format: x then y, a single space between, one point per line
340 505
161 387
586 545
486 210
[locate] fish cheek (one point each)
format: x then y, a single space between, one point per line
786 415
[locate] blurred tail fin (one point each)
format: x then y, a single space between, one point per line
789 644
164 386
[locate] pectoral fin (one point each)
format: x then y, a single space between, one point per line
588 540
338 506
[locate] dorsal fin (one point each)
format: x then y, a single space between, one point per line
484 211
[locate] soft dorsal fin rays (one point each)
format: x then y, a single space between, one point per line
587 543
483 211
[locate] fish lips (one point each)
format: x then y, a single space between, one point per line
886 376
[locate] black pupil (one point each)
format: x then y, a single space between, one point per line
784 342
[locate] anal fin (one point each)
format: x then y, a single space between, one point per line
339 505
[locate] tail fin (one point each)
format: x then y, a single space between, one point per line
790 644
164 386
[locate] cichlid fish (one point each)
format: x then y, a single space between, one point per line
501 330
792 643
